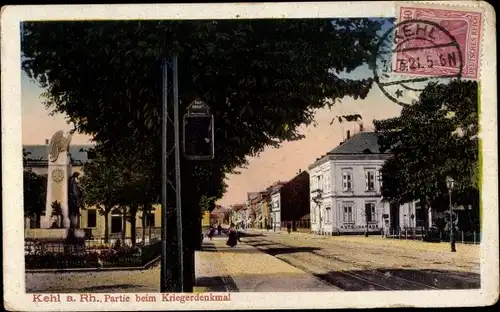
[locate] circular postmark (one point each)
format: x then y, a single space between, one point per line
57 175
412 54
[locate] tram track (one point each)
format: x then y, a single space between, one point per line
338 272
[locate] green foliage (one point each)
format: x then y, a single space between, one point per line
56 208
434 138
102 183
261 78
35 192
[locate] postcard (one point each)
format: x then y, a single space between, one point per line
249 156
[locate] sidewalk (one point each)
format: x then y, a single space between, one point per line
465 249
246 269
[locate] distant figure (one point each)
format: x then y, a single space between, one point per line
75 203
289 227
219 229
233 236
211 232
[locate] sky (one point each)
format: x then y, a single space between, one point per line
271 165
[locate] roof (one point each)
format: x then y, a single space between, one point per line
360 143
41 152
238 207
277 187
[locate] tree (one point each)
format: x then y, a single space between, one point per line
261 79
102 183
35 190
138 192
434 138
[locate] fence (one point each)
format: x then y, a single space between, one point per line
420 233
113 238
54 255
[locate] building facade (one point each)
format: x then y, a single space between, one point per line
345 191
290 201
276 209
237 215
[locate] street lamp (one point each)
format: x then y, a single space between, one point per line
450 184
367 211
317 201
198 133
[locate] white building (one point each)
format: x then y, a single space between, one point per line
276 208
345 191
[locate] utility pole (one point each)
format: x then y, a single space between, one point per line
172 261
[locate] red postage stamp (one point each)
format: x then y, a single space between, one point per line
435 52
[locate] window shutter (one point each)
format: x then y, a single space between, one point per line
367 181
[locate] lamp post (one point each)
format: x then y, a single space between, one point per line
450 184
381 203
366 219
317 201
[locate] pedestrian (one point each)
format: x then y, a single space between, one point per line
289 227
233 236
211 232
219 229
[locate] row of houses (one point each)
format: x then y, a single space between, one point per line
340 193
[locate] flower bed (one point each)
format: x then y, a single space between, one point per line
53 256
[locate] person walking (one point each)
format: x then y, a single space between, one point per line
211 232
233 236
219 229
289 227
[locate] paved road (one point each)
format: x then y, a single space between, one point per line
358 263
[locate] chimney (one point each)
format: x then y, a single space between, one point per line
348 135
46 141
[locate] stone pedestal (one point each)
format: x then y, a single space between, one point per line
58 176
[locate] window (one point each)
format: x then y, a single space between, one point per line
370 180
327 182
348 212
318 183
150 220
347 181
116 224
370 212
328 215
91 218
379 178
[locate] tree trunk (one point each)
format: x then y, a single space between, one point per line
106 226
133 228
191 237
143 222
124 224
